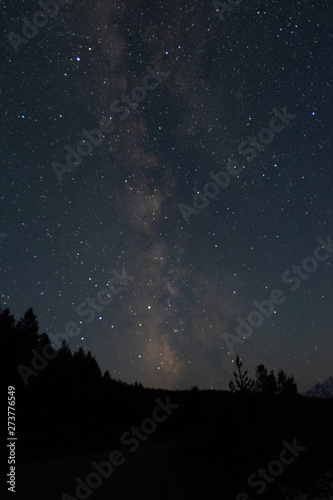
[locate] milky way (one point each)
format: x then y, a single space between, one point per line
181 94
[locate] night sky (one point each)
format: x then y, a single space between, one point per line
182 93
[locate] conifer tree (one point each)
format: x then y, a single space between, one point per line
243 382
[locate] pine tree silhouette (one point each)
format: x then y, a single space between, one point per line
286 385
243 382
265 382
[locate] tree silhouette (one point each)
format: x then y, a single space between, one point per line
29 324
286 385
7 320
268 384
265 382
243 382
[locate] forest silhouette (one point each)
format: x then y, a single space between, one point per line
69 407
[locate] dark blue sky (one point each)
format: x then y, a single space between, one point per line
180 95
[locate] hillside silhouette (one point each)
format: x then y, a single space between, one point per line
65 406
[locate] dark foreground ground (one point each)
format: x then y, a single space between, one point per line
196 445
145 475
153 472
